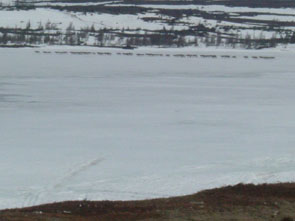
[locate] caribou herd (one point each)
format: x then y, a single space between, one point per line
154 54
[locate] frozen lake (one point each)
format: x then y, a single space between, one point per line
127 127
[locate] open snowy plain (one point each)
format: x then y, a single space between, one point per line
131 127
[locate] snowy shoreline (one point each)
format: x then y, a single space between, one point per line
68 48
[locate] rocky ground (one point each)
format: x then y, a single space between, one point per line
239 202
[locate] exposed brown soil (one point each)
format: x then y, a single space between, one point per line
241 202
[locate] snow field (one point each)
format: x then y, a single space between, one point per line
128 127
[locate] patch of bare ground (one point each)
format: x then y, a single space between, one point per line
242 202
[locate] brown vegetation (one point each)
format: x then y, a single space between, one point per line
239 202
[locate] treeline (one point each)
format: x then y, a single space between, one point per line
199 36
230 3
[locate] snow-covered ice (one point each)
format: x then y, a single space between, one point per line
128 127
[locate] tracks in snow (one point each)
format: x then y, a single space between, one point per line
33 196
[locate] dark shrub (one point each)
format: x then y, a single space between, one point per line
287 219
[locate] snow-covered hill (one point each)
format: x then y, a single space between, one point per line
198 22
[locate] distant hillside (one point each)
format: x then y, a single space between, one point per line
201 23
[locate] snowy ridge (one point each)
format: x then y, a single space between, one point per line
198 23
